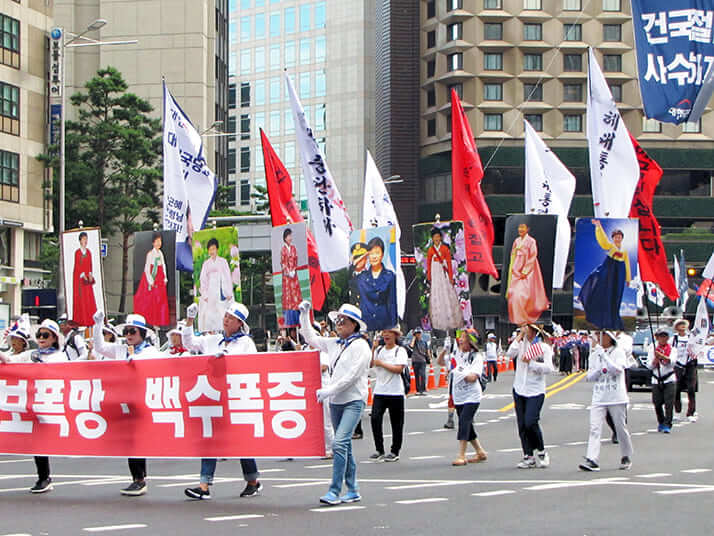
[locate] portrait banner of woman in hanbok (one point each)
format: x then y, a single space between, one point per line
155 277
606 274
527 274
444 292
376 284
83 278
216 275
291 274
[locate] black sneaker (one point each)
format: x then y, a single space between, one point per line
391 457
136 488
589 465
614 439
252 490
625 463
198 493
42 486
449 424
377 457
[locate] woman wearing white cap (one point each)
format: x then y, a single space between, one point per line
685 368
235 340
607 370
48 351
176 346
491 358
135 333
347 392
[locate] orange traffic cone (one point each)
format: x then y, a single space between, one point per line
430 382
412 384
442 377
369 394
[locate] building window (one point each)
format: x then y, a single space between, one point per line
454 31
274 57
244 29
10 176
611 5
231 164
493 122
612 63
691 128
259 92
532 32
459 88
493 31
492 92
448 123
616 90
275 123
532 62
245 159
572 5
431 39
431 128
275 89
290 54
232 96
430 68
320 84
321 117
244 127
536 121
533 92
304 52
492 4
245 61
231 127
320 49
275 24
260 26
573 123
493 61
289 20
320 15
290 153
244 192
651 125
451 5
305 17
260 59
573 32
431 9
288 120
259 122
573 62
455 61
6 246
244 94
532 5
572 92
611 32
430 97
304 85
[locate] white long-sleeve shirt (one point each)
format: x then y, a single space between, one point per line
51 356
529 379
607 370
217 344
120 350
348 381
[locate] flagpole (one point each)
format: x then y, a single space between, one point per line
647 306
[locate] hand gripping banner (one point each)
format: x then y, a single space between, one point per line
249 406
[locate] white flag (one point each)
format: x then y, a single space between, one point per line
614 170
378 211
189 186
330 223
708 272
549 190
654 294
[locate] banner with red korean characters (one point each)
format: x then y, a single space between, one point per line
249 406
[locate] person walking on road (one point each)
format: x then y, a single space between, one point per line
388 361
421 355
664 382
685 369
350 356
534 361
607 370
491 358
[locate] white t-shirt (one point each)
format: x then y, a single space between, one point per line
465 392
390 383
679 348
491 351
607 370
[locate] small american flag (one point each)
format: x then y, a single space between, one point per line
534 352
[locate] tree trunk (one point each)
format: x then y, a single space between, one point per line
124 269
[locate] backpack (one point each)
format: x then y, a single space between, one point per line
482 380
406 379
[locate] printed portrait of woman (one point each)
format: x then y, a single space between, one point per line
444 309
525 291
215 289
601 293
151 299
377 289
84 304
292 295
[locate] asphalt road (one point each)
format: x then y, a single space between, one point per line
669 489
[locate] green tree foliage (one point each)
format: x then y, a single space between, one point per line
262 204
113 162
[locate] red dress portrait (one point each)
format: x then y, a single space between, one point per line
151 298
292 295
83 303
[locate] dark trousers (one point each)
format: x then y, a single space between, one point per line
663 400
43 467
395 405
686 381
137 467
466 413
528 417
419 375
492 367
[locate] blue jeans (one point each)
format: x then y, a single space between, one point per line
344 420
208 469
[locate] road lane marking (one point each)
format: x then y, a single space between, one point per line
493 493
338 509
17 461
694 471
233 518
686 490
107 528
654 475
424 457
576 443
420 501
415 433
576 484
510 450
552 389
321 466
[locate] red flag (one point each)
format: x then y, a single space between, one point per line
468 202
651 255
284 209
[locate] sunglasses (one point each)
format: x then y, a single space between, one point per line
129 331
43 335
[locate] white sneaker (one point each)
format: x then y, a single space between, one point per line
692 418
542 460
528 462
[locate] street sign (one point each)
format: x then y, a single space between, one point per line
56 62
104 248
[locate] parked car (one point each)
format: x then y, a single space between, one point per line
638 375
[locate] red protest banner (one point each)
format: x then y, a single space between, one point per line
249 406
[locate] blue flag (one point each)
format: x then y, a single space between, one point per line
675 54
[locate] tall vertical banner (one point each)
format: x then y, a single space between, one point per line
83 276
155 281
549 190
614 171
441 275
330 222
675 54
527 279
284 209
606 274
468 202
291 277
189 185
